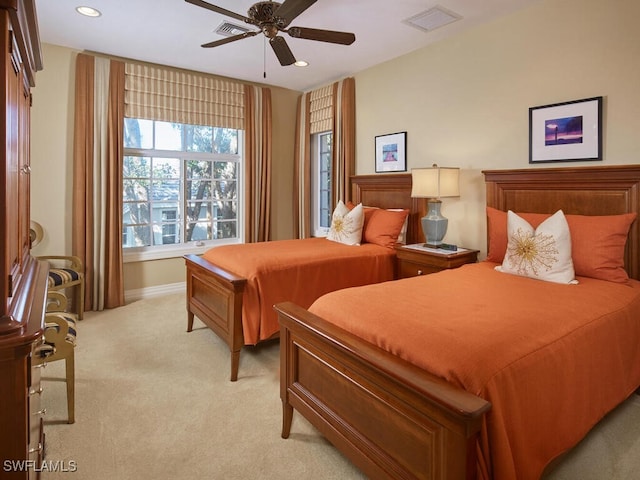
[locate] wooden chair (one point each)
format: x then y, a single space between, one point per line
67 271
59 343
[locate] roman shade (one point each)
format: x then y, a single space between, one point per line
171 95
321 109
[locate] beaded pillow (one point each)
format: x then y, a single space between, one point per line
543 253
346 225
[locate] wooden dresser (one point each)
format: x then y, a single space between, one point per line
23 280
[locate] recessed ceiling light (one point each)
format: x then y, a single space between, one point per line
301 63
88 11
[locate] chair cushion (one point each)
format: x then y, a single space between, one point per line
60 276
46 350
71 334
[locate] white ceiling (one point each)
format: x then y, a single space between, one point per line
170 32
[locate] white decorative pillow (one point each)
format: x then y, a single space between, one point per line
543 253
346 225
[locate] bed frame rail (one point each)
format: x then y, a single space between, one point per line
403 422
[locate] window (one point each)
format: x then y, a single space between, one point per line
321 144
181 187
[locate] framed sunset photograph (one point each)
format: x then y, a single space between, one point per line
565 132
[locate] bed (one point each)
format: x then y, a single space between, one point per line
228 298
398 414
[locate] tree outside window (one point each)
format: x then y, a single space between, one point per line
180 183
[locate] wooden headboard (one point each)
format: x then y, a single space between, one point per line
602 190
391 191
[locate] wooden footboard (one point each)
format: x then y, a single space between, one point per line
392 419
215 296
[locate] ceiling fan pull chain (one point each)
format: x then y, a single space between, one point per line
264 57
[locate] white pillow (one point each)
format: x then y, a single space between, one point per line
346 225
543 253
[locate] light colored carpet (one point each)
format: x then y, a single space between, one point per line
155 402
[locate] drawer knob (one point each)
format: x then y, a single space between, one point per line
420 272
36 449
34 392
42 412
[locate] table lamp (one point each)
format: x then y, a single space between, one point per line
434 183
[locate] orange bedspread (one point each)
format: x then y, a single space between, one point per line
299 271
552 359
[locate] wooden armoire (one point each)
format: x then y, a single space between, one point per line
23 280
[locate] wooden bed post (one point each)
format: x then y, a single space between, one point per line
217 301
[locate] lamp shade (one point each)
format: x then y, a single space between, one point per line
435 182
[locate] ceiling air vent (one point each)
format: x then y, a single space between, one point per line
229 29
433 18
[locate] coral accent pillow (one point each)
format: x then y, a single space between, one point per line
598 245
383 227
346 225
543 253
597 241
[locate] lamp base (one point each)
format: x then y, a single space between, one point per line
434 225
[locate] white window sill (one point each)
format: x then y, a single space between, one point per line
160 253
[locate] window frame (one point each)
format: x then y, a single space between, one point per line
175 250
318 230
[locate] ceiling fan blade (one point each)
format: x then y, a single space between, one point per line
220 10
217 43
343 38
282 51
290 9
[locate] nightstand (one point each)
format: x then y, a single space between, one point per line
414 260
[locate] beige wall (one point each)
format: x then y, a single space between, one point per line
52 150
464 101
52 167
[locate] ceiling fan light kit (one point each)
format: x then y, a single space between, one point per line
272 18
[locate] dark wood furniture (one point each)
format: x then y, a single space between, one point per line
215 295
392 419
413 261
23 280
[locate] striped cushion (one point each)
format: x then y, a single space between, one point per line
60 276
46 350
71 334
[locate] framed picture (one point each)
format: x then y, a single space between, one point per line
391 152
566 132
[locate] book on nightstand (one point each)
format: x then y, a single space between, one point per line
438 251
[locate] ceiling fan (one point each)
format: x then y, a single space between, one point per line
272 18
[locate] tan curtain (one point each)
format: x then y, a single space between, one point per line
330 108
97 180
302 169
258 163
344 138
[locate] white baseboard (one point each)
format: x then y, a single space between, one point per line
157 291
